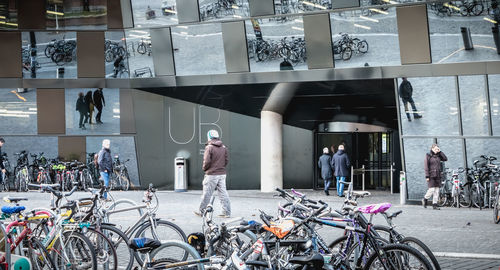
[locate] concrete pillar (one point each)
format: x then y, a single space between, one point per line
271 151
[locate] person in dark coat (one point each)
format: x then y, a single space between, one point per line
340 164
99 103
83 109
326 170
105 163
2 167
406 92
433 171
90 103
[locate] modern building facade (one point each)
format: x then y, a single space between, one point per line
279 79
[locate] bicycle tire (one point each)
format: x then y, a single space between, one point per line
476 196
141 48
49 50
427 251
363 46
104 251
178 244
125 180
477 9
145 231
392 251
108 55
464 11
338 245
496 208
42 259
346 53
464 198
120 243
83 244
443 197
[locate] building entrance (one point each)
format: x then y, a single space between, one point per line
372 150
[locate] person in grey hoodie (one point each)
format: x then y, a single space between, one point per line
215 160
340 164
326 170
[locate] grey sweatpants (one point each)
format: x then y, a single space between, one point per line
210 184
434 192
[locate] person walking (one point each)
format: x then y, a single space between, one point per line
433 173
340 164
326 170
90 103
406 92
105 164
215 160
83 109
99 103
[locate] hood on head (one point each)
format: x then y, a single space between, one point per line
215 142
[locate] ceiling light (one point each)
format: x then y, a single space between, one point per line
11 24
138 36
379 11
451 6
490 20
170 11
55 13
297 28
368 19
362 26
184 33
139 31
235 7
237 16
298 20
174 19
308 3
183 26
2 17
390 2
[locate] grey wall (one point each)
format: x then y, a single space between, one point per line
168 127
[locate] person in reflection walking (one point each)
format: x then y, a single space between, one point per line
433 172
215 160
99 103
105 163
326 170
90 102
406 92
3 171
340 164
83 109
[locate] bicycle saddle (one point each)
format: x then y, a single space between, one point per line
395 214
14 199
315 259
374 208
12 209
361 193
143 245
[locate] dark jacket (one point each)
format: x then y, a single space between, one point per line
432 165
99 99
405 90
340 163
324 164
81 106
104 160
1 160
88 99
215 158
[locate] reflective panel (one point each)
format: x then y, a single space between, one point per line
211 10
198 49
18 111
116 55
276 44
453 149
494 87
154 12
49 55
48 145
365 38
8 14
90 111
122 148
414 151
300 6
478 147
140 54
447 23
76 15
433 98
474 107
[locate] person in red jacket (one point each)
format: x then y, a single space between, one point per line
215 160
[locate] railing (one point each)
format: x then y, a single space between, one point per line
361 171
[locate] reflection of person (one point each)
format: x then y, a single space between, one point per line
105 163
433 172
495 13
406 92
340 164
215 160
83 109
99 103
2 167
326 170
90 104
118 65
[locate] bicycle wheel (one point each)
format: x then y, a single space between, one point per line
39 256
477 9
363 46
141 48
476 196
443 197
496 208
120 243
125 180
351 248
49 50
109 55
193 255
346 53
464 198
104 250
165 230
77 252
398 256
464 11
422 248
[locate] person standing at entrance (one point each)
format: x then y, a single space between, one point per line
99 103
340 164
105 163
215 160
326 170
406 92
433 173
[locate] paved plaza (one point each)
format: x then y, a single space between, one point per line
462 238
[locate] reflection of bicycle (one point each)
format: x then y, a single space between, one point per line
346 45
121 71
471 8
144 47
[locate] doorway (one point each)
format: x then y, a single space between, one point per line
374 150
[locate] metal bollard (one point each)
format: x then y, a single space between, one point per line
467 38
402 188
